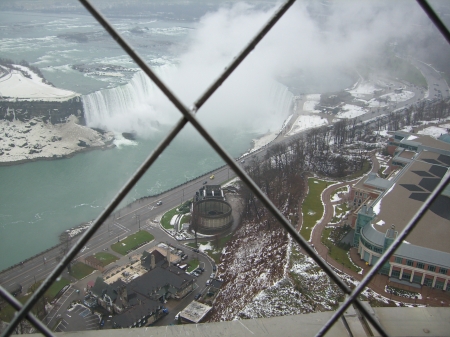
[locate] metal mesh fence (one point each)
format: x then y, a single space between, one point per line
188 116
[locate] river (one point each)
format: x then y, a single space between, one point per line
39 200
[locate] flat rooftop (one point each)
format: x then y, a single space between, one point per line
195 311
411 188
407 154
424 140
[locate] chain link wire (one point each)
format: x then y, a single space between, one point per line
188 116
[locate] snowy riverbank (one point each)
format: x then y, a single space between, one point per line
20 142
29 135
21 83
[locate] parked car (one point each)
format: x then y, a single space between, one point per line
177 316
196 250
184 257
214 268
208 282
205 182
197 296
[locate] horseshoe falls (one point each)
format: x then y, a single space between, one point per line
140 107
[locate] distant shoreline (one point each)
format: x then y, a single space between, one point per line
66 156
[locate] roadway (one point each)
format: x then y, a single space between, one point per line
125 222
119 226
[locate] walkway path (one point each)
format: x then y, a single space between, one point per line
431 297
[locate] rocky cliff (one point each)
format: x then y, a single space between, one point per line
48 111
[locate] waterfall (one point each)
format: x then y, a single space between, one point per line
140 107
281 99
129 107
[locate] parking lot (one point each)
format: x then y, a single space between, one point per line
77 319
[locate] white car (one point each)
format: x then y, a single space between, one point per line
177 316
159 203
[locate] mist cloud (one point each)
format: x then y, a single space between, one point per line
312 36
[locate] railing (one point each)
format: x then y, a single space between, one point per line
189 117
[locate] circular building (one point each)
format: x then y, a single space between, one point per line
211 213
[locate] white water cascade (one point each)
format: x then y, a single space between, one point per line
281 99
139 106
129 107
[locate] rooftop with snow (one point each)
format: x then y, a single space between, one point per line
195 312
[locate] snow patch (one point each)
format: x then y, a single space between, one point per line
351 111
305 123
435 131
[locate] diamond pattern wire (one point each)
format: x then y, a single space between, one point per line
188 116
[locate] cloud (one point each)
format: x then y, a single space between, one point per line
312 38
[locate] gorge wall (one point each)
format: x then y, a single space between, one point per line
49 111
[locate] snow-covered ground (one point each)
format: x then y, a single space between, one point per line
16 85
351 111
400 97
373 103
305 289
306 122
36 139
363 89
435 131
264 140
21 141
310 102
254 260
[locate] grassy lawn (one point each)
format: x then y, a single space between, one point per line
364 170
56 287
132 242
336 253
340 211
192 264
410 73
402 69
339 190
381 170
185 219
165 220
80 270
105 258
7 313
312 206
193 245
216 253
